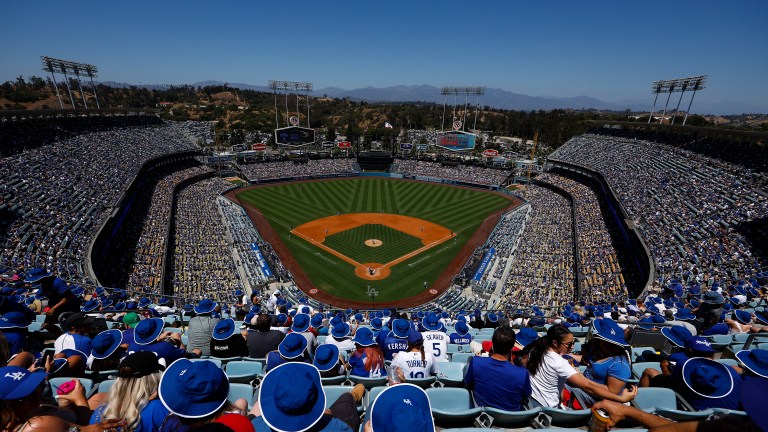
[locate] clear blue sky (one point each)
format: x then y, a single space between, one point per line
610 50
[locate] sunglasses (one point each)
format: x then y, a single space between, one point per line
569 344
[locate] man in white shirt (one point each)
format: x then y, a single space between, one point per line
435 340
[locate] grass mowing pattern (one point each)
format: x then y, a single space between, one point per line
352 243
292 204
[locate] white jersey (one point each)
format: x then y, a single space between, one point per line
412 365
436 342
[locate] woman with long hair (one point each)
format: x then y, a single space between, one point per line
415 363
607 359
367 360
550 371
133 396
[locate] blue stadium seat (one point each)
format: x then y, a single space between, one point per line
664 402
567 418
372 394
452 407
243 371
339 380
638 368
105 385
422 382
462 358
244 391
451 374
225 360
333 392
369 383
512 419
217 362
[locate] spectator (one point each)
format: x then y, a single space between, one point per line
106 351
435 339
493 380
301 325
415 363
367 361
607 360
292 349
328 361
226 341
461 334
340 337
149 336
262 339
397 339
705 383
201 326
60 297
401 407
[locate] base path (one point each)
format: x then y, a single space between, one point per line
430 234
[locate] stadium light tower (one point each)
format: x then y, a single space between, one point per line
676 85
287 86
462 90
54 65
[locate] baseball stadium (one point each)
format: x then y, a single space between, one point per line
408 279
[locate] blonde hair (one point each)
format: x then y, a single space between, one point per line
128 396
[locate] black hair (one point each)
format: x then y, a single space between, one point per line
503 340
556 333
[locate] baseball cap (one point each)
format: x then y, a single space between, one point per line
193 389
402 407
139 364
131 319
700 344
78 319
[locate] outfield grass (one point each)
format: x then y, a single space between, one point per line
289 205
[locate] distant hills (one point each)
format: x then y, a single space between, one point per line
496 98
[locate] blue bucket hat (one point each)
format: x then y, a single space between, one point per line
292 346
291 397
224 329
414 337
400 328
676 334
359 317
753 394
340 330
193 389
148 330
762 316
90 305
15 319
163 301
607 330
742 316
119 306
755 360
317 320
431 322
326 357
205 306
684 314
17 382
526 336
300 323
292 313
131 305
700 344
707 378
106 302
402 407
282 319
106 343
492 317
144 302
376 324
37 274
364 337
461 328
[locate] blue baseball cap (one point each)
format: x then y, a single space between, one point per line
707 378
224 329
326 357
676 334
364 337
148 330
205 306
431 322
291 397
17 382
755 360
106 343
193 389
402 407
292 346
340 330
300 323
401 327
607 330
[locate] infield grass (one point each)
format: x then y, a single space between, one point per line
289 205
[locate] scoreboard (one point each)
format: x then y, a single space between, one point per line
456 140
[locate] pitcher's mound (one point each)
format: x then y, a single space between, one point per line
373 243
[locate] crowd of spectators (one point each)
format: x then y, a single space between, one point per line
311 167
703 218
464 173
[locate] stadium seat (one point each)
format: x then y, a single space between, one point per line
451 374
369 382
243 371
719 342
462 358
740 337
173 330
636 351
727 361
244 391
87 384
512 419
566 418
225 360
579 331
638 368
664 402
339 380
453 348
34 326
452 407
424 383
104 386
372 394
333 392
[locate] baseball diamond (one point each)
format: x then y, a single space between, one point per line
426 233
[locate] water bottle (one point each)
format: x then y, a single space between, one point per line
392 377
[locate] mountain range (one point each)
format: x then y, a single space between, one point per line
496 98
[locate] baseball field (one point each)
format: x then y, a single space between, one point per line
342 238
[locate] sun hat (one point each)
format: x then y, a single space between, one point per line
742 316
144 302
707 378
131 305
699 344
77 319
713 297
193 389
676 334
139 364
15 319
36 274
106 343
119 306
376 324
402 407
17 382
300 323
205 306
359 317
291 397
526 336
163 301
684 314
317 320
131 319
326 357
762 316
340 330
755 360
106 302
753 394
431 322
292 346
148 330
90 305
401 327
461 328
492 317
292 313
224 329
607 330
364 337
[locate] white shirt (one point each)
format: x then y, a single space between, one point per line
549 380
412 365
436 342
344 345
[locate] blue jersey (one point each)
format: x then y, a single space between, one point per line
458 339
393 345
